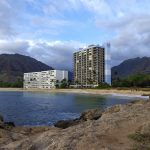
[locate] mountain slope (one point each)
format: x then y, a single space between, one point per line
12 66
131 66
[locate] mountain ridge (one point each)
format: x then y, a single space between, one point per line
12 66
130 67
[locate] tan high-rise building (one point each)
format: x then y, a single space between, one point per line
89 66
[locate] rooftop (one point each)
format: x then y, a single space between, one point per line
89 46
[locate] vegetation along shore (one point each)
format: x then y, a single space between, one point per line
123 91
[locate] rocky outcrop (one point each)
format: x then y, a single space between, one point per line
1 119
91 114
118 128
9 133
5 125
67 123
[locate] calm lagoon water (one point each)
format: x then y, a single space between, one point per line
27 108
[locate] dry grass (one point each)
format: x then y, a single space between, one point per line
141 141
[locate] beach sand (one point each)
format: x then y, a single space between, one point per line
85 91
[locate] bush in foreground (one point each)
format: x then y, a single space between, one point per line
141 141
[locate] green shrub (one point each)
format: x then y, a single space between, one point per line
138 80
103 86
18 84
141 141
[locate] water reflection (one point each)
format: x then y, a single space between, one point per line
84 102
31 108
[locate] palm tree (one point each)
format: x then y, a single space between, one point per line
90 81
57 84
76 82
64 83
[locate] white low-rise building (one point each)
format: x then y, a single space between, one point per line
44 79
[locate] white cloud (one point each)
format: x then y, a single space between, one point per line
6 15
99 7
127 23
130 28
41 21
9 46
57 8
132 39
57 54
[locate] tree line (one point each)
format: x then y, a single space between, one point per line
137 80
17 84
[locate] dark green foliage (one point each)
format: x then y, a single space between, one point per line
141 138
141 141
64 83
103 86
69 82
138 80
17 84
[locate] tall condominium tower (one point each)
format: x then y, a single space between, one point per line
89 66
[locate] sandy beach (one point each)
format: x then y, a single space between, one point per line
84 91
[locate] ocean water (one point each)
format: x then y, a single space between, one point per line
31 108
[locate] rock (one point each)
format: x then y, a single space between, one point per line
1 122
91 114
10 124
1 119
110 132
5 125
2 126
113 109
66 123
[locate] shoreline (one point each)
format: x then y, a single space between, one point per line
119 122
115 92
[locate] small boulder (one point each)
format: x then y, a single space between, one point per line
113 109
91 114
6 125
10 124
1 119
66 123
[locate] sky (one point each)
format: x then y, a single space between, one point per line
51 30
